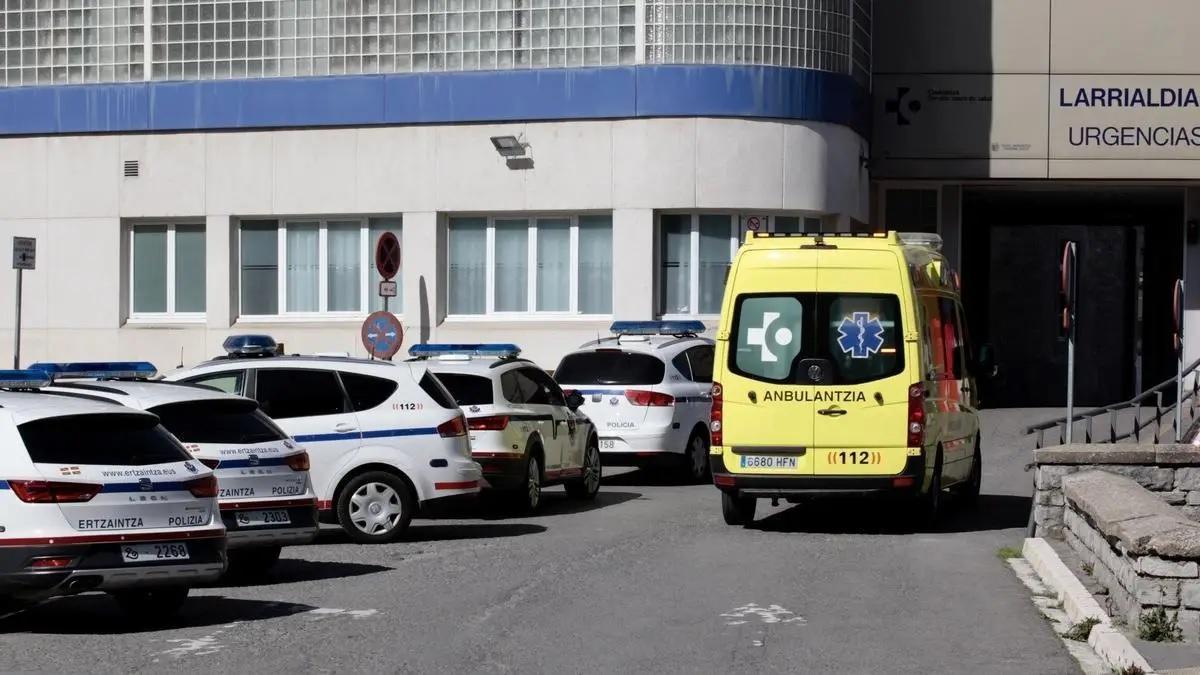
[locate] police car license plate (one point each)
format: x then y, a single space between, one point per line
262 518
608 444
769 462
145 553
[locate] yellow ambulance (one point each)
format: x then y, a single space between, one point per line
843 368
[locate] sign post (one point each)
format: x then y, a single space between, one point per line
1068 287
387 261
1177 313
24 258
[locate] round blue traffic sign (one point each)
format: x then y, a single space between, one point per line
382 335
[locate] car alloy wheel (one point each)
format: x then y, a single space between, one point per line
375 508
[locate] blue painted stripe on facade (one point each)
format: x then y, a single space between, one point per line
379 433
438 98
170 486
243 463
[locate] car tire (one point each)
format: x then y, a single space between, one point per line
738 510
695 459
528 497
974 485
930 506
150 603
252 563
588 485
375 507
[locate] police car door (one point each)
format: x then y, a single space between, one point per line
311 407
551 418
695 407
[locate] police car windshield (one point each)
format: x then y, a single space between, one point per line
218 421
468 389
610 366
100 438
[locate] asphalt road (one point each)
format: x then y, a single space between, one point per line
646 579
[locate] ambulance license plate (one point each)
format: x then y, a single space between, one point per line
263 518
146 553
608 444
782 462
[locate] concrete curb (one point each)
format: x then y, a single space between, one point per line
1078 603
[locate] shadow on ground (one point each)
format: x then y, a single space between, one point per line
98 614
496 507
650 477
293 570
432 530
994 512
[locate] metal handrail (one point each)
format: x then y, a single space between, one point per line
1138 402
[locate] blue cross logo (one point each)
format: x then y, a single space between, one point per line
860 335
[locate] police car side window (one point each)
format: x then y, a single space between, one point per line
228 382
367 392
548 390
701 359
535 391
510 387
287 393
681 364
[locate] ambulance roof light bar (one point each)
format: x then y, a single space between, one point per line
927 239
691 327
501 350
23 379
250 345
100 370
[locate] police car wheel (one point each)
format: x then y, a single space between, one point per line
253 562
589 484
529 495
737 510
151 602
695 460
375 508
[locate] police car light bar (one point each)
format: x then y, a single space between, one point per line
656 327
501 350
23 379
102 370
250 345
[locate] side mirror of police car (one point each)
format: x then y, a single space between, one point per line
574 400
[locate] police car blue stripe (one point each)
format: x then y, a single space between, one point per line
243 463
597 391
3 485
381 433
171 486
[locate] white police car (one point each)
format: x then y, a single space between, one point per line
94 496
647 389
385 440
525 432
265 496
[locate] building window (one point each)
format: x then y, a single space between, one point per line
167 269
305 267
530 265
687 288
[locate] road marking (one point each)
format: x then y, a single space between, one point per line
322 612
193 647
771 614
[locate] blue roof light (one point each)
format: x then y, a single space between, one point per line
249 345
23 379
500 350
111 370
657 327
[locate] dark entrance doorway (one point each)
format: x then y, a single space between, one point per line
1130 253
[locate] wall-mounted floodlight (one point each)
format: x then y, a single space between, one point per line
508 146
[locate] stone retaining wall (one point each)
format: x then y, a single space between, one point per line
1170 471
1143 551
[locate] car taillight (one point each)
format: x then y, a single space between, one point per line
715 430
204 487
916 416
568 392
453 427
489 423
298 462
51 562
211 463
53 492
641 397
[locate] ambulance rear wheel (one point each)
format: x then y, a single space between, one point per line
970 492
930 506
152 602
737 510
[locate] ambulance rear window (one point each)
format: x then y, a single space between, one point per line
816 338
218 421
109 438
610 366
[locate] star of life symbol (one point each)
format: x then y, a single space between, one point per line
758 337
860 335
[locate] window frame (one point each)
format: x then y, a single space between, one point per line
531 243
169 316
736 234
322 313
